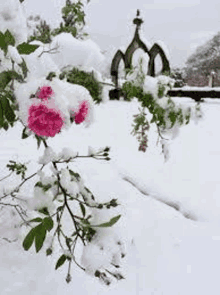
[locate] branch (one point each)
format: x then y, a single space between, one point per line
49 51
20 185
6 176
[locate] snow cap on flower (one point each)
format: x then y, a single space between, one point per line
58 102
80 102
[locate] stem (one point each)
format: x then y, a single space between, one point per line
20 185
6 176
65 198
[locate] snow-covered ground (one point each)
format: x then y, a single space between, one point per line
170 221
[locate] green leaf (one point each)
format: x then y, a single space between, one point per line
43 210
1 114
26 48
9 39
49 251
16 76
24 135
8 112
75 174
5 78
48 223
5 126
3 45
60 261
108 224
24 68
39 139
83 209
38 219
29 239
40 235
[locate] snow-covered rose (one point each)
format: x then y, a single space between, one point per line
45 121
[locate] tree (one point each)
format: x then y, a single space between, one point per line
203 61
74 21
179 75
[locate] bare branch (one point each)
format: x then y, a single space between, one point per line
51 51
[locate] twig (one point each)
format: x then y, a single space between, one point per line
20 185
6 176
49 51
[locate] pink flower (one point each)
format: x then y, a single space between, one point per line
44 121
45 92
82 112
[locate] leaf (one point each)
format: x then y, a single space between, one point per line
38 141
24 68
3 45
49 251
1 114
40 235
60 261
29 239
26 48
15 75
9 38
48 223
108 224
8 112
5 78
83 209
5 126
24 135
38 219
43 210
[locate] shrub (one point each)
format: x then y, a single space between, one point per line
87 80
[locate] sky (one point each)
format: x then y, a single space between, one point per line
181 24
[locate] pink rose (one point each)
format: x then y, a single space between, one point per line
82 112
44 121
45 92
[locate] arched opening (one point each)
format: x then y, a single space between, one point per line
158 65
142 57
121 72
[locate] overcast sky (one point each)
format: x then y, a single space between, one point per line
180 24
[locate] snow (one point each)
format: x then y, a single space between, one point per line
40 64
14 55
164 47
76 52
12 18
206 88
167 239
168 251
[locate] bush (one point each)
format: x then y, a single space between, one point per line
42 33
87 80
